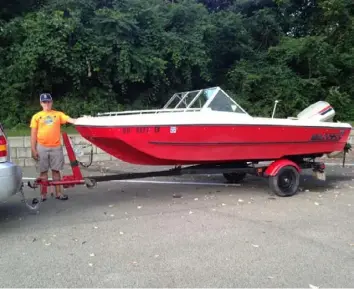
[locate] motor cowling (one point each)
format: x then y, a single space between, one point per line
319 111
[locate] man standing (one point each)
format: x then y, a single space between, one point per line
45 142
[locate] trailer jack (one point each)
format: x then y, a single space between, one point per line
67 181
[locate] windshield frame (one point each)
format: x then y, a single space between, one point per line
184 105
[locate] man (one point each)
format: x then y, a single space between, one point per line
45 142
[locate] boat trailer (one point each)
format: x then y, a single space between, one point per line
283 174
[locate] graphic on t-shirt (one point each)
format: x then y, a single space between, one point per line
48 120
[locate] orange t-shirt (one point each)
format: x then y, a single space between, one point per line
48 124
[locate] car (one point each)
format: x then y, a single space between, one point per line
10 173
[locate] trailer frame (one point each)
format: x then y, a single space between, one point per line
284 170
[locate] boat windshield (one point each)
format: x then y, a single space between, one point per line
204 99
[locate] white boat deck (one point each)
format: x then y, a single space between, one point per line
210 106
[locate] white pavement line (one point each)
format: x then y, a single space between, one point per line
161 182
177 183
32 179
339 164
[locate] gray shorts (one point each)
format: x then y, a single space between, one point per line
50 158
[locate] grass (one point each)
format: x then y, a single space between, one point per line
27 131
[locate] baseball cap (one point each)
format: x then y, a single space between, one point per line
44 97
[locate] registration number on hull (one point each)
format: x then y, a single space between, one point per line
327 136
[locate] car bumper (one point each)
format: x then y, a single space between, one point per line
10 180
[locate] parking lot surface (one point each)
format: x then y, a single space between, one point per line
183 232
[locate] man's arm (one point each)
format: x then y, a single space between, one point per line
71 120
34 138
34 130
66 119
34 143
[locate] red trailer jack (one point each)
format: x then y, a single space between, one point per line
67 181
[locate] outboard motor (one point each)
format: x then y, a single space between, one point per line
319 111
324 112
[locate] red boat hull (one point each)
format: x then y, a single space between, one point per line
198 144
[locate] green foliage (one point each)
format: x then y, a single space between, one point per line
127 54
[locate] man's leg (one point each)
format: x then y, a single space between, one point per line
43 155
57 165
57 177
44 189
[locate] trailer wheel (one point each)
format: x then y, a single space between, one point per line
234 177
286 182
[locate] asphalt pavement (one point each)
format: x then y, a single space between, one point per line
190 231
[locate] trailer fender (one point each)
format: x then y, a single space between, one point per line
275 166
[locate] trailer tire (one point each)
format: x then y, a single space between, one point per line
286 182
234 178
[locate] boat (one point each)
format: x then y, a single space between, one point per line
207 126
207 132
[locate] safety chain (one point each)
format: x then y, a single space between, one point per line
35 202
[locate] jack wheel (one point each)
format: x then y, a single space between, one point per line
286 182
234 178
90 183
35 201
